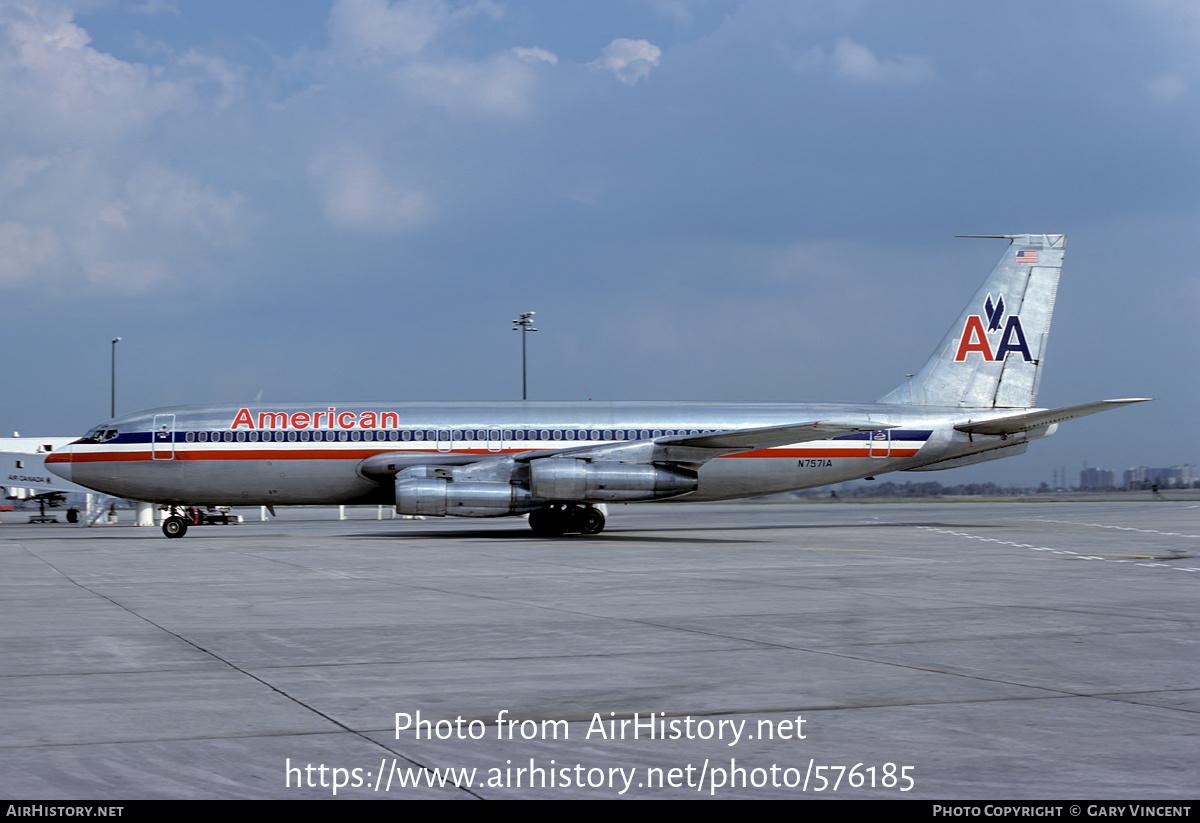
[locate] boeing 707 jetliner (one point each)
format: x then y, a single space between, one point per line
975 399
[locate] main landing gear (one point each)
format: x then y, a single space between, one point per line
559 518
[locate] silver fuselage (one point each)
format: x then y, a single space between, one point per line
311 453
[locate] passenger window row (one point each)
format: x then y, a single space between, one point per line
437 435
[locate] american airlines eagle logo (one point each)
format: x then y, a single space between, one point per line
994 313
975 333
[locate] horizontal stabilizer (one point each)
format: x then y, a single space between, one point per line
1036 419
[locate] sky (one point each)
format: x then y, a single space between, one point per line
701 199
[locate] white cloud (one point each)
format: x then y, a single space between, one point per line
71 222
498 86
855 63
1181 16
629 60
678 11
357 195
536 55
21 170
85 208
137 237
397 42
378 26
27 254
381 30
223 81
58 89
176 204
1175 25
55 84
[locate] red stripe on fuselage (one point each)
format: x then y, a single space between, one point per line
77 456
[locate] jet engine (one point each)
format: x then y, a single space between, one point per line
438 497
565 478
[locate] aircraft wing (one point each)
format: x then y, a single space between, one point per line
685 449
697 449
1027 421
770 436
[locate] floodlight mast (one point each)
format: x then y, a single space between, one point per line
524 324
112 394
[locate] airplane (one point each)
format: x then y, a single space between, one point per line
23 474
974 400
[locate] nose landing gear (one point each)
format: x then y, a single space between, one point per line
174 526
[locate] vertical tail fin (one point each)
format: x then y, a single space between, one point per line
992 356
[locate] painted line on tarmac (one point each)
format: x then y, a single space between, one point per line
1136 560
1109 526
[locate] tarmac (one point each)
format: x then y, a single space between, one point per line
914 650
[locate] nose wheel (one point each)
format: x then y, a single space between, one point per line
560 518
174 526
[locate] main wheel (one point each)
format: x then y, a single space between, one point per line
589 520
174 527
548 522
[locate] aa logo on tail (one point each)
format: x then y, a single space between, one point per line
975 335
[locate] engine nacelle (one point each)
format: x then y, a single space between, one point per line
566 478
438 497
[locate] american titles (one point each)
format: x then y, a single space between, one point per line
329 419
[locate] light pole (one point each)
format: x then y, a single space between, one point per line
524 324
112 412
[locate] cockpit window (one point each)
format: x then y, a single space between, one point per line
99 435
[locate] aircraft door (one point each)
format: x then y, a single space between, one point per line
444 441
162 437
495 439
881 443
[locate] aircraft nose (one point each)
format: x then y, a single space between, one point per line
59 462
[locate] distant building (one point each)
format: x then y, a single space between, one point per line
1097 479
1136 478
1175 477
1172 477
